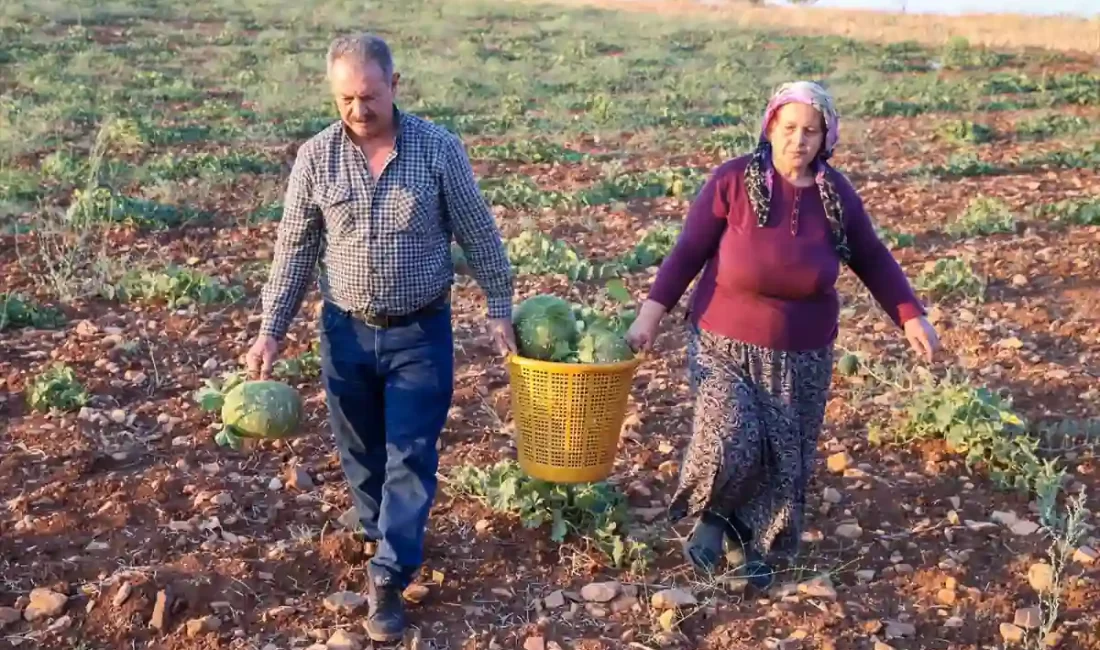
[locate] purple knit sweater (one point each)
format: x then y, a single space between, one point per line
768 286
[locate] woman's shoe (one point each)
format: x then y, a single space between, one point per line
703 548
759 573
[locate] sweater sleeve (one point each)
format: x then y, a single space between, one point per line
699 238
873 263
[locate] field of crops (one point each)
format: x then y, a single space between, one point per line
144 147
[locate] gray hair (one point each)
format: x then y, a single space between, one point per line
361 48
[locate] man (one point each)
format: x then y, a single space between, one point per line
375 198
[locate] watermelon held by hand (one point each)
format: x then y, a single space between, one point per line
262 409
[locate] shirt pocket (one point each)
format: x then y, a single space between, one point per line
337 203
415 209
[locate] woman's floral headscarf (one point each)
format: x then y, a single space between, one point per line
760 173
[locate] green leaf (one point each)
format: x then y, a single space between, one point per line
618 291
559 528
227 438
209 398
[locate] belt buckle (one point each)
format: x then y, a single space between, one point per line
368 318
380 321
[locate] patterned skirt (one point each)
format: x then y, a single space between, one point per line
757 417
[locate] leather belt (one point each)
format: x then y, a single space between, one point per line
384 321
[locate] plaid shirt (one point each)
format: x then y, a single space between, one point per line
383 246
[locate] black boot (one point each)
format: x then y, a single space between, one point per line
386 614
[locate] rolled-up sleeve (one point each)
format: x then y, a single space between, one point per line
475 230
297 249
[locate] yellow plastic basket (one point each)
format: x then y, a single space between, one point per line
569 416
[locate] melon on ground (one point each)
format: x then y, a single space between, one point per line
262 409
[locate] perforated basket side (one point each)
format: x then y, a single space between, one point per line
568 421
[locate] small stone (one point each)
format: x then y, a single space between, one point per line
197 626
349 518
535 643
648 515
1041 577
668 620
980 526
1019 280
956 502
44 603
416 593
61 624
299 479
1012 633
483 525
600 592
275 484
623 603
344 602
341 640
873 626
86 329
897 629
953 622
838 462
1086 555
124 591
160 611
118 416
556 600
849 531
1028 618
9 615
865 575
181 526
280 612
1004 518
819 587
832 495
1023 528
672 599
222 499
812 536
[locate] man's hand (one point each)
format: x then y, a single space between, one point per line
504 337
261 356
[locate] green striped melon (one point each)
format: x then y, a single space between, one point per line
262 409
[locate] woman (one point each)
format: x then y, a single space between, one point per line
768 231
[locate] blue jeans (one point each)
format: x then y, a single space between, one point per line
389 391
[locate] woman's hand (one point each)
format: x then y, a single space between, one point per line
922 336
644 329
